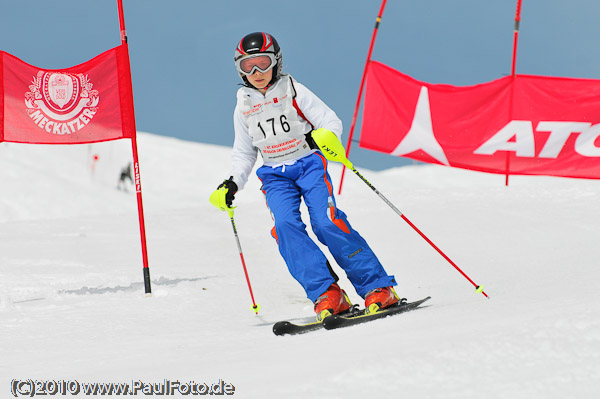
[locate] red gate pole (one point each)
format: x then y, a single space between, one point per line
516 38
360 90
513 73
136 167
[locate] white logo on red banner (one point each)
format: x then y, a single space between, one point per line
60 102
518 136
420 136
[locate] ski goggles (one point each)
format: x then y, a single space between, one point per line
258 62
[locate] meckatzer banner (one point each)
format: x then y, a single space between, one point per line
86 103
526 124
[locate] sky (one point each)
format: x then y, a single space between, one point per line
72 304
181 51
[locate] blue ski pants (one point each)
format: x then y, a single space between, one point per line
284 186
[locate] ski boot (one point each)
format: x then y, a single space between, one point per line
333 301
380 298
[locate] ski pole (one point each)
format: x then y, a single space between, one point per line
218 200
478 288
334 151
255 306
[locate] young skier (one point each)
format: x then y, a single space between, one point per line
275 116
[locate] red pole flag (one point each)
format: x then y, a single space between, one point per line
550 126
87 103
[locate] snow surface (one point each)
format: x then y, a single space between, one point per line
72 304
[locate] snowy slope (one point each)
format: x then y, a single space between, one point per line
72 304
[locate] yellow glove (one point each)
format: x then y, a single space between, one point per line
222 198
331 147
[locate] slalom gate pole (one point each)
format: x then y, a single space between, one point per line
138 190
516 38
513 73
136 169
255 306
360 90
334 151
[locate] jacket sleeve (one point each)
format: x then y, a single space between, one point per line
243 156
316 111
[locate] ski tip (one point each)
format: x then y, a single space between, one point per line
280 328
425 299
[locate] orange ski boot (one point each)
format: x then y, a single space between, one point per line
332 301
380 298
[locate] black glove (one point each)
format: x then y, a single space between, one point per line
231 190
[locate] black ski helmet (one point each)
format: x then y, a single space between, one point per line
259 42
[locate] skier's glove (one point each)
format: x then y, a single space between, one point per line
222 198
330 146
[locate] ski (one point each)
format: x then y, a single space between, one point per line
337 321
355 316
289 328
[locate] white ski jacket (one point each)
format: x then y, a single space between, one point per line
275 124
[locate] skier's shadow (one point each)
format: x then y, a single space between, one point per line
162 281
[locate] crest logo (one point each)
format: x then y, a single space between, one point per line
61 102
60 90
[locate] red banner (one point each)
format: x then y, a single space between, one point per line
525 124
86 103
